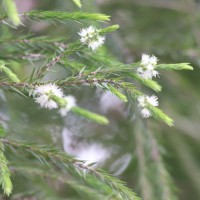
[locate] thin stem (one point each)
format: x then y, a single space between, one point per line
67 51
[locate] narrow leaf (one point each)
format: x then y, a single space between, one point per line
4 172
11 11
89 115
59 16
148 82
118 94
109 29
78 3
179 66
159 114
9 73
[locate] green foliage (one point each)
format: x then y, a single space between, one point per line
89 115
8 72
78 3
4 172
179 66
60 101
158 114
59 159
147 82
71 64
118 94
109 29
11 11
58 16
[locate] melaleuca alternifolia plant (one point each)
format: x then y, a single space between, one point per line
105 73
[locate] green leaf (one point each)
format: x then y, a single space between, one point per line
59 16
78 3
60 101
8 72
159 114
152 84
118 94
11 11
178 66
109 29
148 82
5 180
89 115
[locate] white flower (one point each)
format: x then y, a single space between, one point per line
47 88
145 74
144 101
153 60
87 31
90 36
141 101
70 102
145 112
150 67
145 59
45 102
43 93
153 100
147 68
155 73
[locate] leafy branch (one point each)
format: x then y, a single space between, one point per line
61 17
62 160
76 185
107 84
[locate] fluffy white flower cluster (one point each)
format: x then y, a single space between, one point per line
90 36
43 95
143 102
147 68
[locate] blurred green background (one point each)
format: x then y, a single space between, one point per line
169 29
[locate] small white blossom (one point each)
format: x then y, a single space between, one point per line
153 60
147 68
143 102
146 113
145 59
155 73
43 92
70 102
90 36
153 100
144 73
